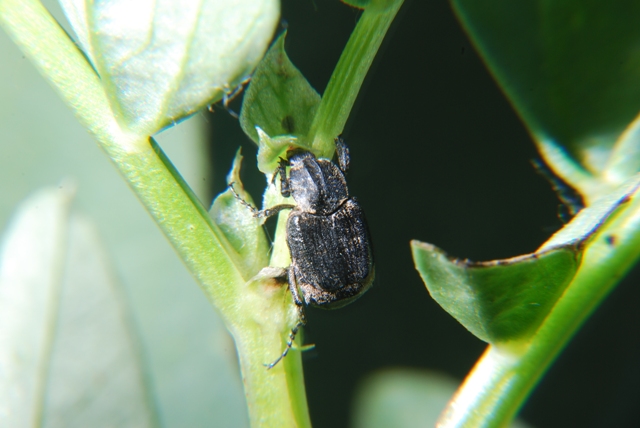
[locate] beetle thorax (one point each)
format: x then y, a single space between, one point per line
317 185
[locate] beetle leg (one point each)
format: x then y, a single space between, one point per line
285 188
260 213
292 336
273 210
293 286
302 320
230 94
342 153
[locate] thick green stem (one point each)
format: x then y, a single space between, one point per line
505 375
276 397
187 226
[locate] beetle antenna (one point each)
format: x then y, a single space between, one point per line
260 213
253 209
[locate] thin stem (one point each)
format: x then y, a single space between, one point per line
348 76
505 375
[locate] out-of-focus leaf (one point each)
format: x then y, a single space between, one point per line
162 61
31 267
242 230
403 398
624 161
66 350
570 68
279 101
505 300
195 375
95 376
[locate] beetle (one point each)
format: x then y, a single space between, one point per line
327 234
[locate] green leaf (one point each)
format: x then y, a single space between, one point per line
503 377
271 150
506 300
501 300
279 101
570 68
162 61
67 352
244 232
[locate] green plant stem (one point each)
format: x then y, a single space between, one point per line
346 80
186 224
505 375
589 186
174 207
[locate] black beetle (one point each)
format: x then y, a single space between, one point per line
327 235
